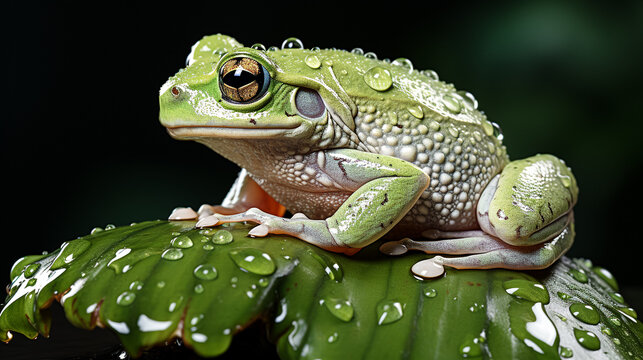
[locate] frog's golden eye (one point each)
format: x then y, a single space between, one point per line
243 80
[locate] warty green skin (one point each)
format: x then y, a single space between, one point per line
396 161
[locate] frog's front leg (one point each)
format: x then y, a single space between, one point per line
383 188
525 215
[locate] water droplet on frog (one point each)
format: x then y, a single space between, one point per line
430 292
585 313
497 131
378 78
357 51
126 298
292 43
254 261
601 272
487 127
259 47
563 296
198 288
617 297
312 61
31 270
371 55
332 269
578 275
182 242
430 74
527 289
403 62
315 48
222 237
69 252
205 272
273 48
172 254
429 268
341 309
471 348
452 104
468 99
332 338
416 111
389 311
587 339
566 352
136 285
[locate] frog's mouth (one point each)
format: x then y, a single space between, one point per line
258 132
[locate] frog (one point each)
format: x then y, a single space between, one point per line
361 150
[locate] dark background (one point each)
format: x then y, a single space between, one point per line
81 145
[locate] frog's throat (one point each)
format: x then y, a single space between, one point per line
196 132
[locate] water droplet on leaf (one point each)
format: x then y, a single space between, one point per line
527 289
126 298
182 242
389 311
172 254
254 261
585 313
205 272
341 309
587 339
222 237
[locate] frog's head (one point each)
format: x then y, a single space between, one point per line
230 91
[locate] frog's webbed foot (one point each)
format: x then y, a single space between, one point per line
313 231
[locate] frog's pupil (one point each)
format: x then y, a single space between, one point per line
240 78
243 80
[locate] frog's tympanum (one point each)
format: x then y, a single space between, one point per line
359 149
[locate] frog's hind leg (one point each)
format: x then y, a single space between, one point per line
485 252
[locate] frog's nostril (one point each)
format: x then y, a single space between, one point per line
175 92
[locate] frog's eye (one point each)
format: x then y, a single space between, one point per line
243 80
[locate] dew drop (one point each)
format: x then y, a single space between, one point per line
110 227
614 320
378 78
332 269
497 131
563 296
430 292
566 352
205 272
452 104
31 270
332 338
259 46
471 348
617 297
136 285
208 247
69 251
126 298
263 282
587 339
578 275
468 99
601 272
416 111
403 62
371 55
607 331
389 311
341 309
32 282
487 127
182 242
628 311
292 43
254 261
172 254
527 289
585 313
222 237
95 230
357 51
198 288
312 61
431 74
273 48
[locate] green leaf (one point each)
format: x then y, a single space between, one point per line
153 281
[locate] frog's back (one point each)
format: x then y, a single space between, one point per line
410 114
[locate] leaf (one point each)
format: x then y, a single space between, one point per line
153 281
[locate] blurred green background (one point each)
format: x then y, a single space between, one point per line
82 146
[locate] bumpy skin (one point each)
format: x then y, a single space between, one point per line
393 151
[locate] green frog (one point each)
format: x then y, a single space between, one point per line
359 149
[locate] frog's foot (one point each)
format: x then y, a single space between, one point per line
487 252
183 213
312 231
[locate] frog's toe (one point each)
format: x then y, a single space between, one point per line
183 213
